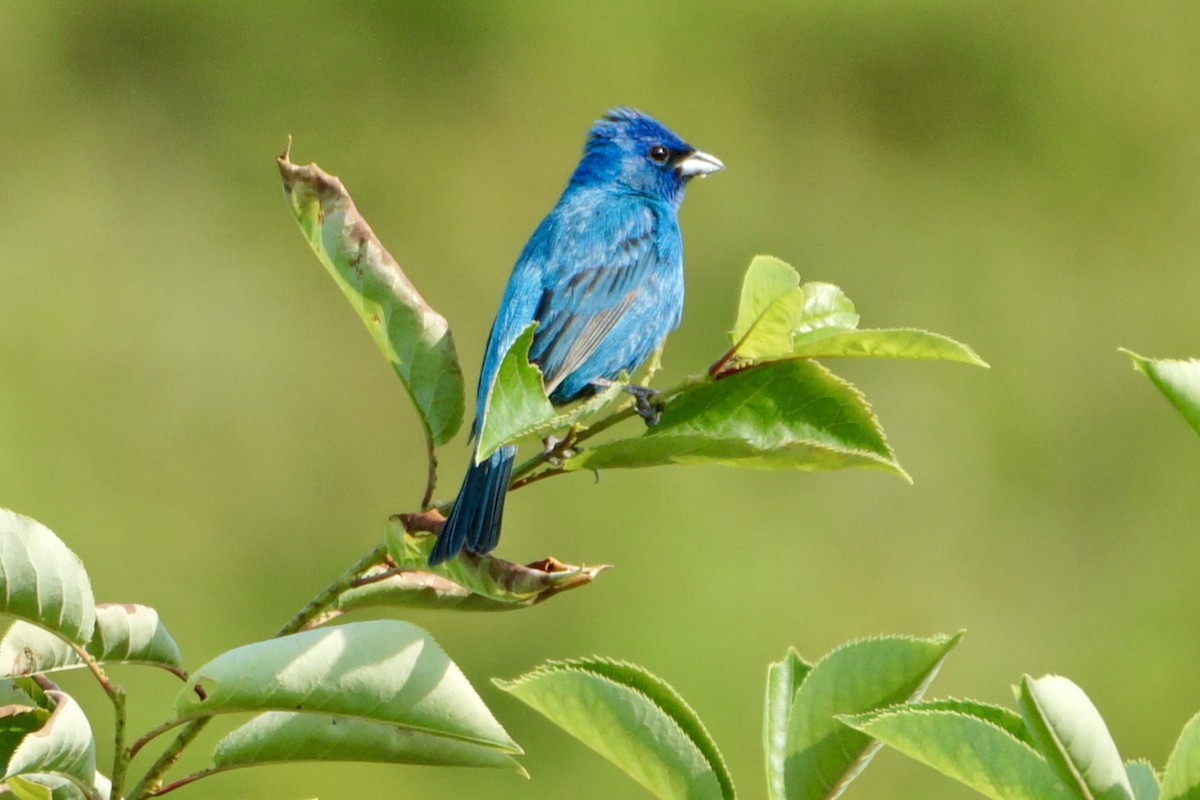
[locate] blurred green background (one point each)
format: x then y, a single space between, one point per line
186 398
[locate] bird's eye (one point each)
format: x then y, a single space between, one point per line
659 154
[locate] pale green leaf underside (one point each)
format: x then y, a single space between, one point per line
64 744
634 720
281 736
783 679
820 754
780 415
125 632
1143 779
383 671
968 748
414 338
1071 735
1181 779
42 581
1179 382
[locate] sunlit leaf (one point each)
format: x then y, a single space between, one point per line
783 679
780 415
968 747
1071 735
56 786
634 720
1179 382
905 343
414 338
280 736
62 745
766 281
42 581
1143 779
818 755
125 632
1181 779
384 671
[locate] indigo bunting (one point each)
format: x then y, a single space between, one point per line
602 276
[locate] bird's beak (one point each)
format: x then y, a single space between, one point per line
699 163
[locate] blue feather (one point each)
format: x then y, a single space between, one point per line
602 276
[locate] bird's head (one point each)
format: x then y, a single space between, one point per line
633 150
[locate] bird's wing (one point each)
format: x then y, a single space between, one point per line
601 281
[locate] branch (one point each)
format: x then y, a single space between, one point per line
117 695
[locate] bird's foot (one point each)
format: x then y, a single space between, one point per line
646 404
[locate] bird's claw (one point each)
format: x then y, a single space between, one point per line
646 404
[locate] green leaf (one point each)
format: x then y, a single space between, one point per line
125 632
766 281
383 671
819 756
1143 779
780 415
56 786
62 745
1179 382
17 720
905 343
774 307
1070 734
280 736
1181 779
826 307
968 747
518 408
42 581
468 583
783 679
633 719
413 337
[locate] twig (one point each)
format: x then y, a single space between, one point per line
185 780
431 478
330 593
117 695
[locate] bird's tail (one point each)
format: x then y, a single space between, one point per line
474 521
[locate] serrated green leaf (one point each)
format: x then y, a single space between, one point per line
633 719
966 747
1071 735
826 307
1181 778
383 671
1143 779
63 744
780 415
820 756
1179 382
281 736
468 583
783 679
125 632
42 581
414 338
907 343
767 280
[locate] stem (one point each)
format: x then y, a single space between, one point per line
523 469
431 479
151 735
117 695
168 758
318 604
184 781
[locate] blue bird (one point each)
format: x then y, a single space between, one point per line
602 276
